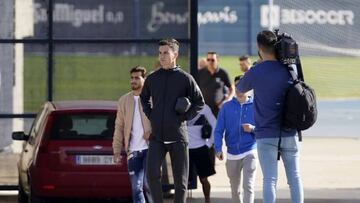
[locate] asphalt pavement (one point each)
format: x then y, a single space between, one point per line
330 171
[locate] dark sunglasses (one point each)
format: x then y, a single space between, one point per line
212 60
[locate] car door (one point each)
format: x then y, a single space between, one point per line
30 147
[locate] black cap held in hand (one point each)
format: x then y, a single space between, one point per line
182 105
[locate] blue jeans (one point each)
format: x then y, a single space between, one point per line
267 152
137 167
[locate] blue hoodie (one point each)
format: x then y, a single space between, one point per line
229 120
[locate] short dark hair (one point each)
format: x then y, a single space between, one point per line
171 42
244 57
237 78
139 69
266 41
212 53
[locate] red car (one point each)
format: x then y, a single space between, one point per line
68 154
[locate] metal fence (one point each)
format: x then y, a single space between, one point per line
45 56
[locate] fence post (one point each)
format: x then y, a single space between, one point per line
249 26
193 9
50 51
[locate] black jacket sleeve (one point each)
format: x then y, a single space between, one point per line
196 98
145 98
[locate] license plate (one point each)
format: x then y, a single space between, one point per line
95 160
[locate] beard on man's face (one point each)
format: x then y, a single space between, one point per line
135 86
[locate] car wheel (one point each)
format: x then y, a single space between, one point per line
127 201
22 196
122 201
36 199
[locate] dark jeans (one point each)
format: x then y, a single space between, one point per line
137 168
179 155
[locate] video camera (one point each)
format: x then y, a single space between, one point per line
287 52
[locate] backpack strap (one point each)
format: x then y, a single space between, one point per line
199 120
300 135
295 79
292 72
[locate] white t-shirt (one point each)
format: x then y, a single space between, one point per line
137 141
241 156
194 131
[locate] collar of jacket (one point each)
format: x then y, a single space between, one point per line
132 94
250 100
176 68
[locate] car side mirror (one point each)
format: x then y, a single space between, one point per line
19 136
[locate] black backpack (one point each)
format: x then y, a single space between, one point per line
300 111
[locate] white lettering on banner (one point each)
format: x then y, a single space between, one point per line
225 16
332 17
67 13
299 16
39 13
265 18
159 17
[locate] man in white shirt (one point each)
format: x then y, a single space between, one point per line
132 131
199 145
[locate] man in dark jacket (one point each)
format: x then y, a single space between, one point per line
215 83
164 87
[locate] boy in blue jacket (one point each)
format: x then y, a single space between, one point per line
235 123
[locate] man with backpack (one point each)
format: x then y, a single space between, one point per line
270 81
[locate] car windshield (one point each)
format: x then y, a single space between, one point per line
83 126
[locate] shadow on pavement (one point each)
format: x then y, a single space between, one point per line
13 199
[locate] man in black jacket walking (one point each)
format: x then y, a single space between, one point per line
169 134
